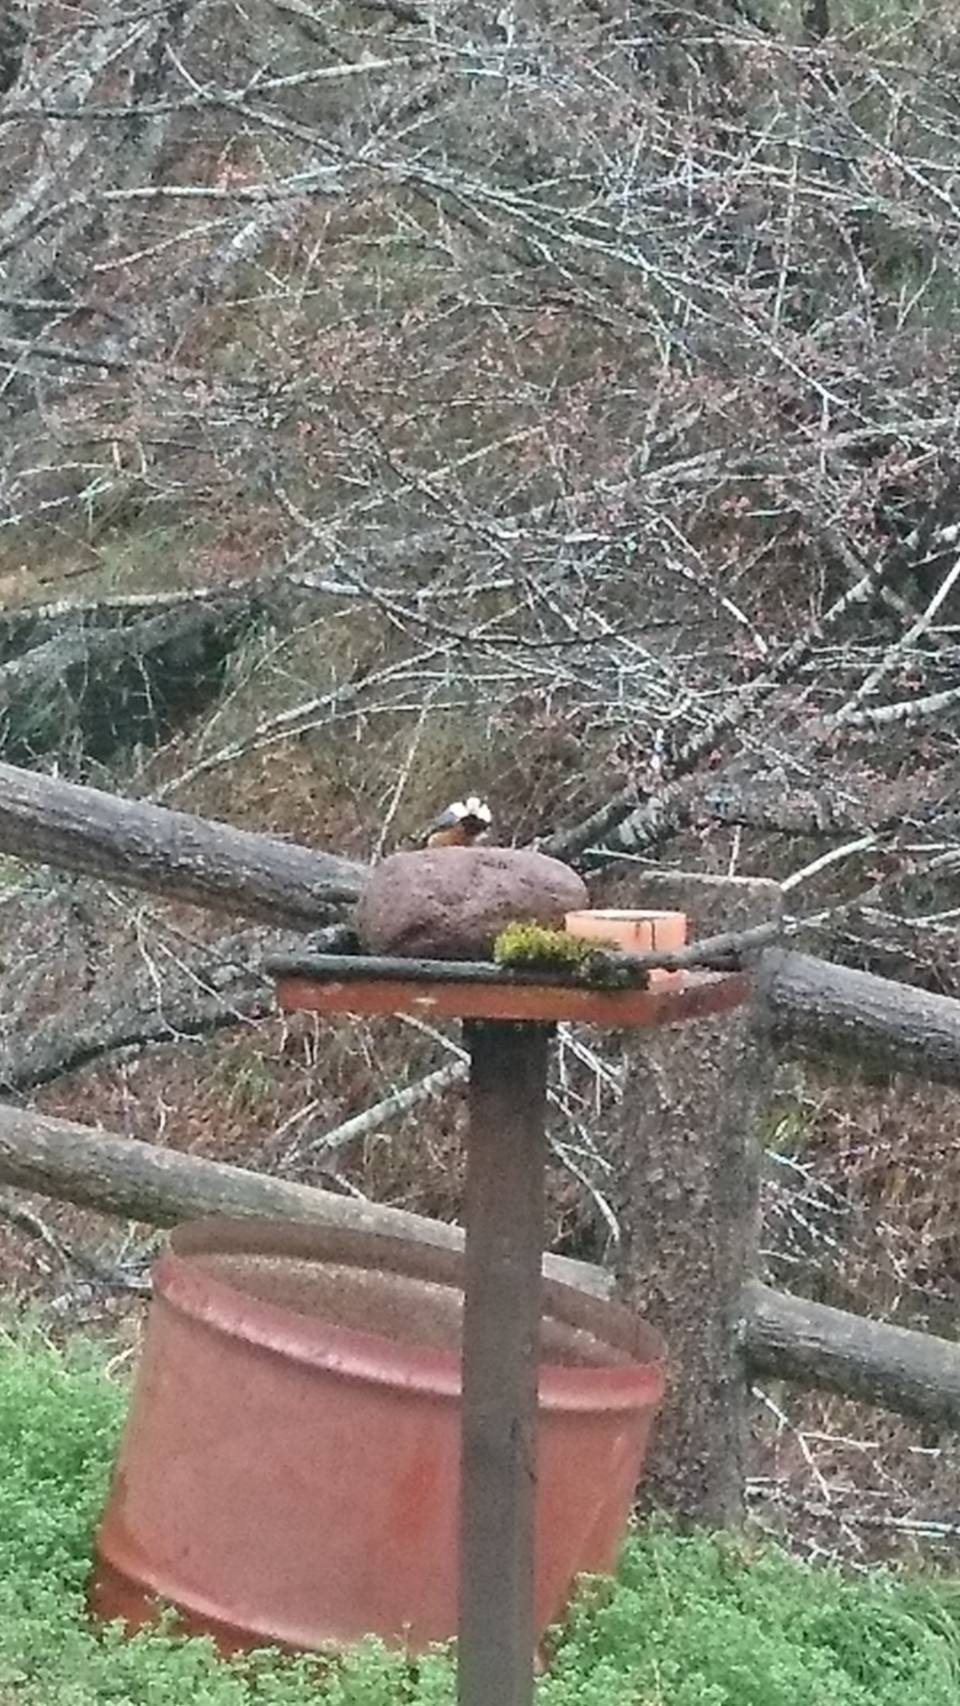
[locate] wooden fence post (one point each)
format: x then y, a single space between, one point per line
687 1158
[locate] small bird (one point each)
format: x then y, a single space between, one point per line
465 823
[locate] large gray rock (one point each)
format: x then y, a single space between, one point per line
449 903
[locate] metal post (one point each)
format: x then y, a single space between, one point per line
501 1336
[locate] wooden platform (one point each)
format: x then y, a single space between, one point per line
475 990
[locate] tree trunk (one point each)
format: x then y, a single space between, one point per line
687 1160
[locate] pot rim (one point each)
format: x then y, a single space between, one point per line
626 914
319 1342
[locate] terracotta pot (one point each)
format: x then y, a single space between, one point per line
290 1467
634 933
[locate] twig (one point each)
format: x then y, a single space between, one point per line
891 658
391 1107
723 952
833 857
104 1273
905 711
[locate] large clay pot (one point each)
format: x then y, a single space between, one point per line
290 1467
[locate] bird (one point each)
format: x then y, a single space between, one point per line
464 823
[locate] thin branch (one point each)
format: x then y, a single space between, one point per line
105 1273
892 658
394 1106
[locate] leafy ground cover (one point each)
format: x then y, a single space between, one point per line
687 1622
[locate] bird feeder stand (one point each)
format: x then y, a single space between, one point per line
509 1020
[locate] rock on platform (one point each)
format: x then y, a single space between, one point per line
451 902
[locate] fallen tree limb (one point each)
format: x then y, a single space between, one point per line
636 822
170 853
824 1008
774 805
786 1337
108 687
896 1368
104 1273
56 1049
27 625
391 1107
206 989
142 1181
922 952
814 1005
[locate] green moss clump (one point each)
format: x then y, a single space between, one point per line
534 946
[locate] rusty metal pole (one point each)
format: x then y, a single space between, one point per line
506 1153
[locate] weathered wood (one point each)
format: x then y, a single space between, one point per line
925 955
815 1006
787 1337
170 853
821 1008
687 1172
896 1368
374 968
506 1168
142 1181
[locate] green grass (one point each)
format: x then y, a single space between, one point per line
702 1622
